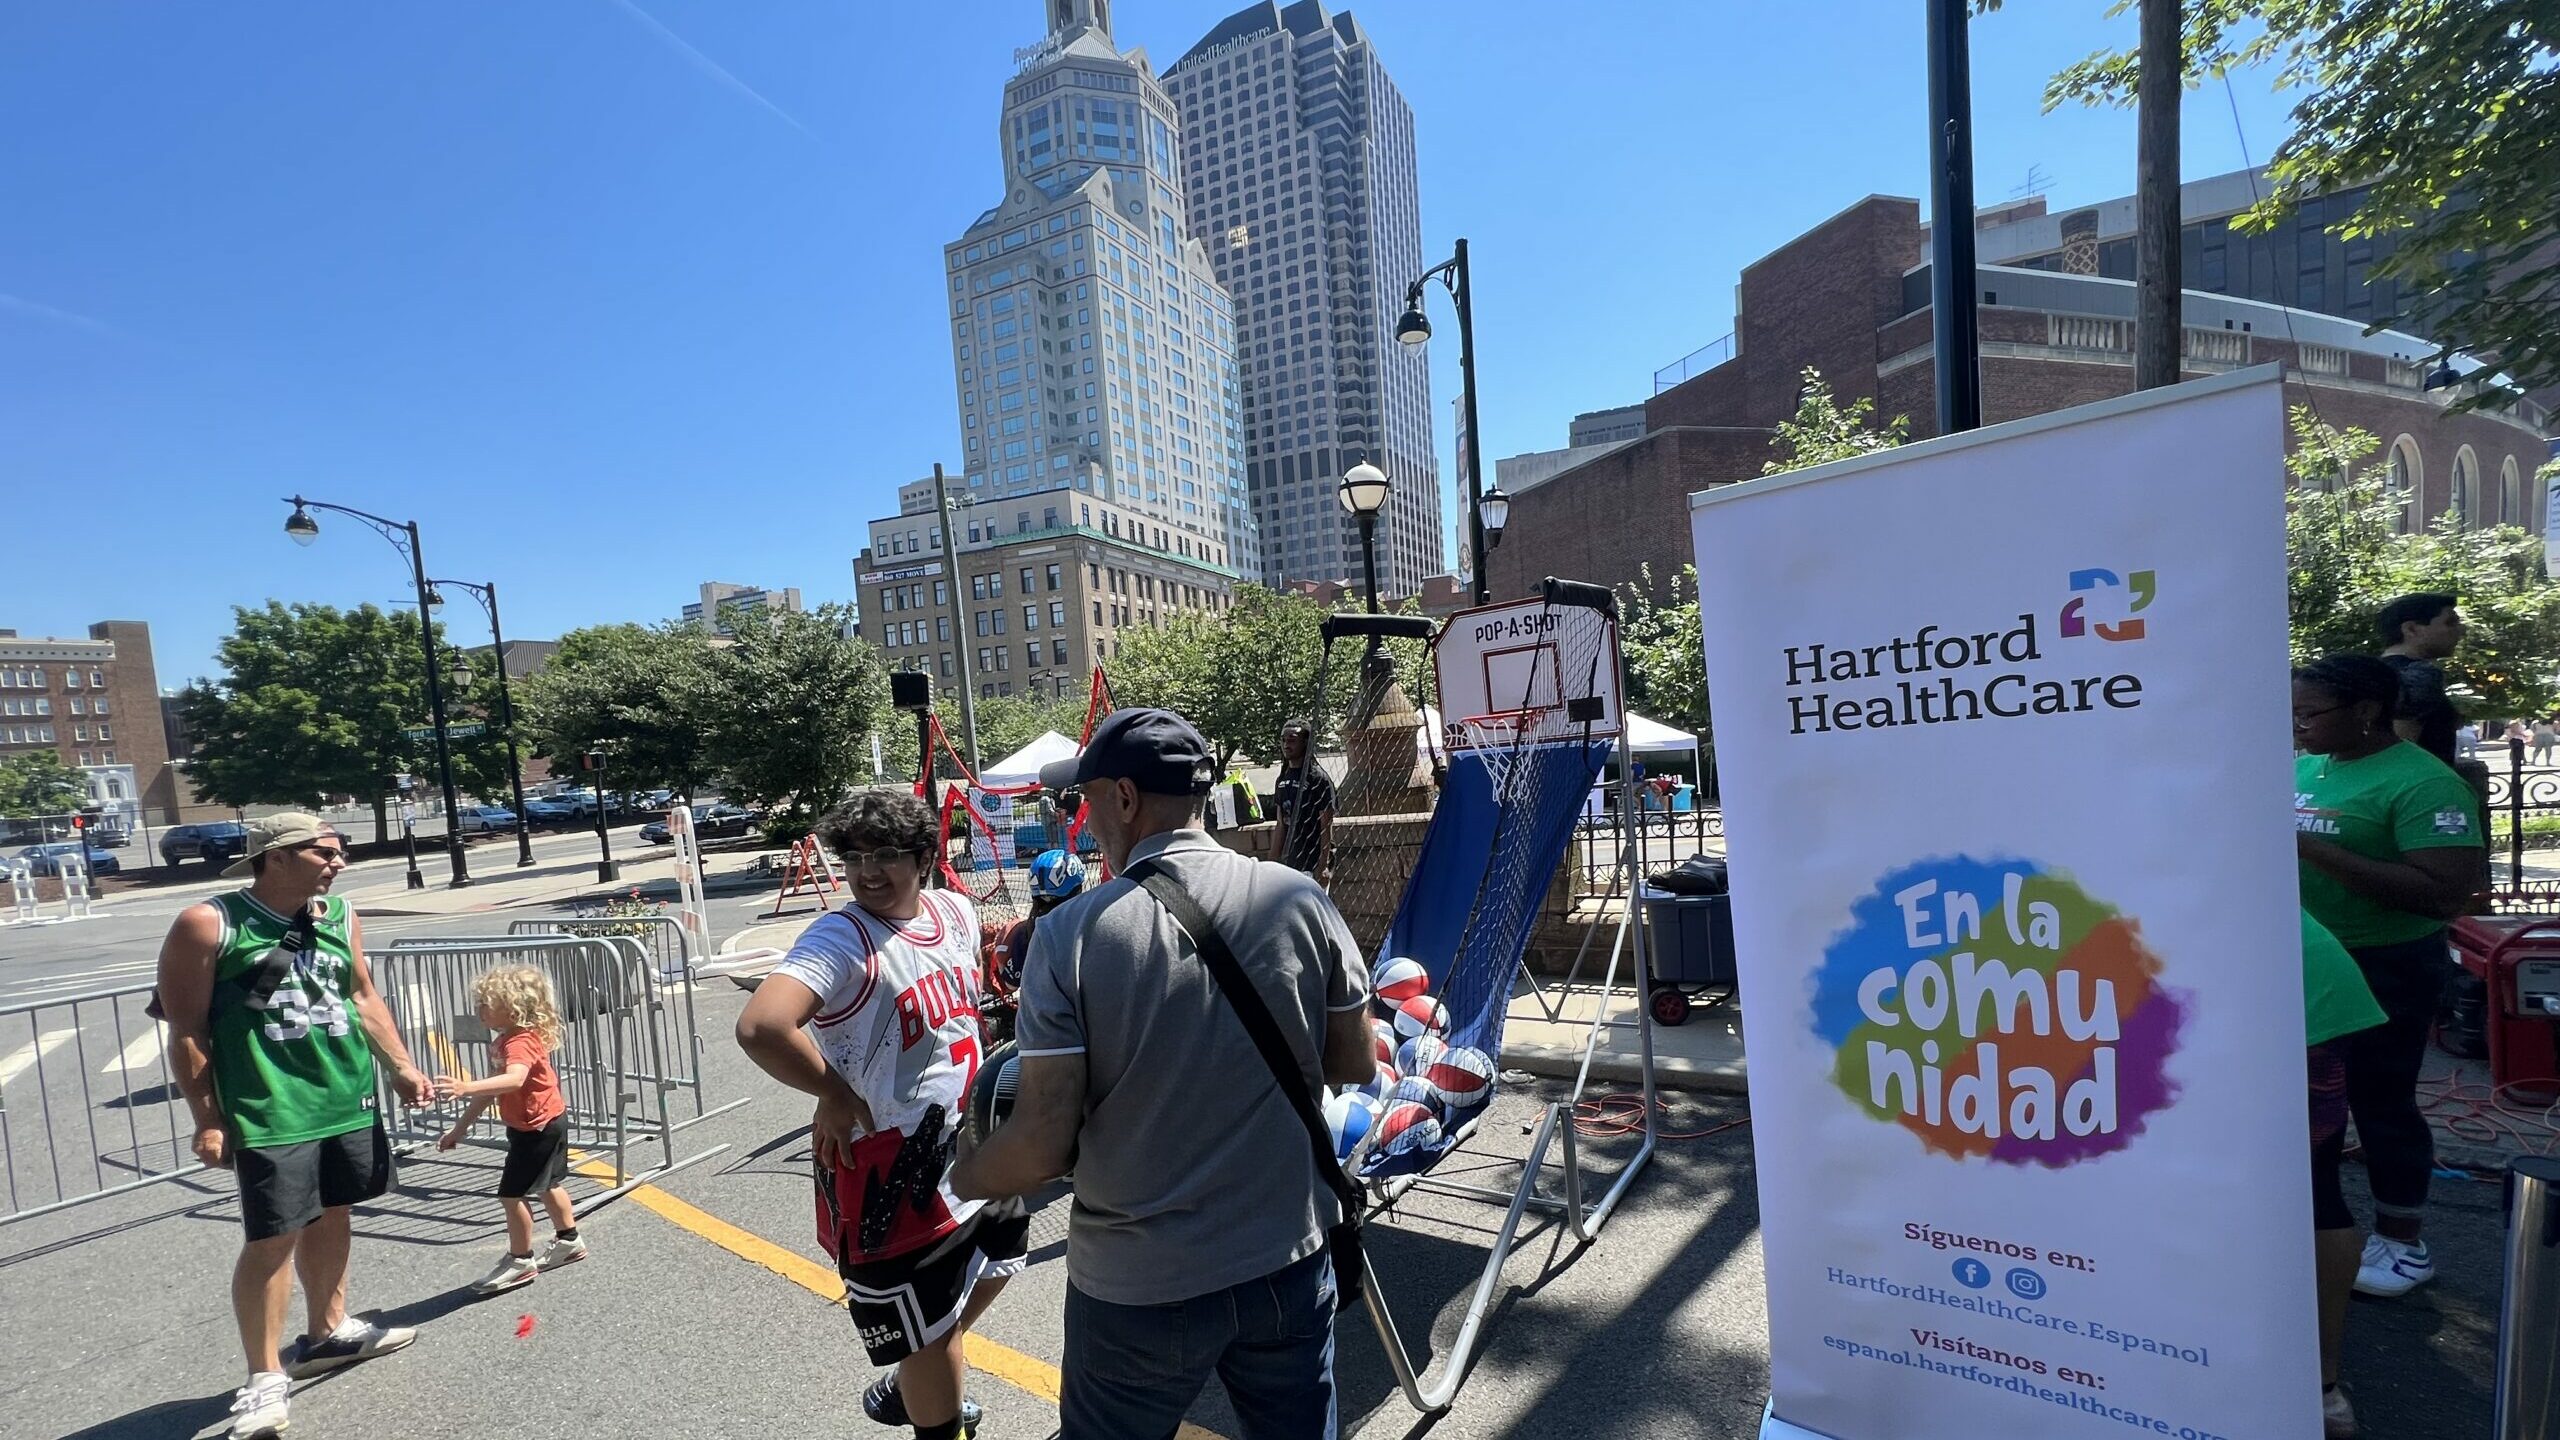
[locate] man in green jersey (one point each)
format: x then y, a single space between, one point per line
274 1027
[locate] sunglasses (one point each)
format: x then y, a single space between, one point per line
880 859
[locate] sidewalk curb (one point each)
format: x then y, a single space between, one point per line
1670 1072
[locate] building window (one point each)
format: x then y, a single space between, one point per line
2510 494
1053 570
70 679
2466 489
2405 475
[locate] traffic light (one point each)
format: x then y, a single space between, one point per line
592 760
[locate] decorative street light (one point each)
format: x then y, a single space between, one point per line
1495 507
487 595
1415 328
403 536
1363 492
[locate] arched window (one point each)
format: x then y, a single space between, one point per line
2466 489
2511 495
2405 476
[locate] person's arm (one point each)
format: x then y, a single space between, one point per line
481 1092
414 1088
1324 842
770 1031
1350 1050
1037 1143
186 997
470 1116
2437 884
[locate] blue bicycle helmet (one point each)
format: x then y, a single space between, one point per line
1057 875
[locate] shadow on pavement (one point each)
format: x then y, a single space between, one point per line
161 1421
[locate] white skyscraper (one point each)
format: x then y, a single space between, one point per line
1092 346
1299 155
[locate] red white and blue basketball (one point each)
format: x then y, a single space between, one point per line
1421 1015
1351 1116
1414 1056
1406 1128
1386 1035
1401 979
1413 1090
1382 1082
1462 1076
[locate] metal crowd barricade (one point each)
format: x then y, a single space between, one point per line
618 1059
88 1108
670 976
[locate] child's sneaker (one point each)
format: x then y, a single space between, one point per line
2393 1268
563 1252
511 1271
352 1341
258 1411
2337 1417
883 1403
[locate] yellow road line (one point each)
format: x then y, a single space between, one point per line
1032 1376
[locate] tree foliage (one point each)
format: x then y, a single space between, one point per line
314 702
38 783
1823 430
641 692
1242 673
2347 559
1006 723
2446 109
792 705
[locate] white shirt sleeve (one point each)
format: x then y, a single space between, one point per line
834 959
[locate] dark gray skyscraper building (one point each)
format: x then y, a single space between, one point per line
1301 181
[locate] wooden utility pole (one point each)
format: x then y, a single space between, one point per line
2159 331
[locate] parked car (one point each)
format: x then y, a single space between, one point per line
712 820
553 810
218 842
47 859
484 819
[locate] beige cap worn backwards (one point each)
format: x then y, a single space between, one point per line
282 831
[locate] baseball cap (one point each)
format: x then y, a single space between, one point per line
1156 750
282 831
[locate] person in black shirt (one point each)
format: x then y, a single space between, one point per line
2418 632
1304 796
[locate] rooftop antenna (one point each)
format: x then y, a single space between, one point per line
2037 183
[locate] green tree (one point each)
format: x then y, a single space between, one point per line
2443 112
792 703
314 702
1243 672
38 783
1823 430
1666 655
2347 558
641 692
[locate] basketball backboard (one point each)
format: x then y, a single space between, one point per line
1528 655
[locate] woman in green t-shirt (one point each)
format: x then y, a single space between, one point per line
2336 1003
2391 850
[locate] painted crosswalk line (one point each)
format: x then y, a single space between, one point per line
24 1057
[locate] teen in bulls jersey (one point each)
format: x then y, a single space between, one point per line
875 1012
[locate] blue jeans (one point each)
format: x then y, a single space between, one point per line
1132 1371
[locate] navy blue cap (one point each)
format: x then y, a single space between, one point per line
1156 750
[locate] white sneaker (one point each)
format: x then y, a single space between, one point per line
2337 1417
2392 1268
352 1341
258 1410
511 1271
563 1252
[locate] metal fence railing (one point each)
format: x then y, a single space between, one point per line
629 1046
1663 838
88 1108
671 962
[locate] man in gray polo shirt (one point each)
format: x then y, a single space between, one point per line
1196 1244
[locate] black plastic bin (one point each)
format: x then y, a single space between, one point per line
1692 939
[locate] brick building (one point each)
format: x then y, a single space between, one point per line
96 704
1851 298
1051 580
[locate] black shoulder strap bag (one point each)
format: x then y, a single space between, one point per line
1343 1240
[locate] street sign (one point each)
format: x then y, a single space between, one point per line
459 730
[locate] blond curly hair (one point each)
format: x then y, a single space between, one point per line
522 994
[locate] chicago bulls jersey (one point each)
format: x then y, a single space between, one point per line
898 1019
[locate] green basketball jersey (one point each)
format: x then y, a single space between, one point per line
299 1067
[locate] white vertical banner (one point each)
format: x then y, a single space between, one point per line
2001 725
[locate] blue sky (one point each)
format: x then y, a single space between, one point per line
617 296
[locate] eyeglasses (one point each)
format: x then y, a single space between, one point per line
880 859
2305 717
324 852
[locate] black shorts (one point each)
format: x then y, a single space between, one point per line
537 1160
904 1303
285 1187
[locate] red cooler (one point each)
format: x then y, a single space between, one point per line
2518 958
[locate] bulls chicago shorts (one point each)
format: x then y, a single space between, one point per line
906 1302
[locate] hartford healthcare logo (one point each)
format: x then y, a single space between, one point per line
1942 674
2108 607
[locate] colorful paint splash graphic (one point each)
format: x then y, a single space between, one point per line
1995 1009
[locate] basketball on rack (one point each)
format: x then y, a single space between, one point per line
1351 1116
1386 1037
991 1093
1401 979
1414 1057
1413 1090
1421 1015
1407 1127
1462 1076
1382 1082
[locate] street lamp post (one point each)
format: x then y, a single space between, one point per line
1363 492
487 595
959 615
403 536
1414 329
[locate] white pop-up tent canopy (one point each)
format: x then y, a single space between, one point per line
1644 736
1022 767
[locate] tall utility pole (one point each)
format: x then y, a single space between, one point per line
1951 283
959 622
2159 329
